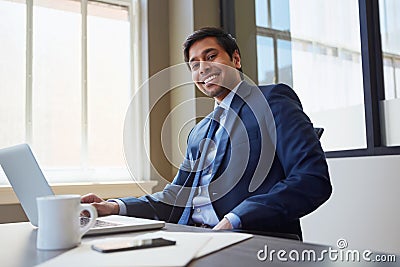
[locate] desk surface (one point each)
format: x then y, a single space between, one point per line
18 248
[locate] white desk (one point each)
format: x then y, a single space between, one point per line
18 248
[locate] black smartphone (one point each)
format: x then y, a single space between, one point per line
113 246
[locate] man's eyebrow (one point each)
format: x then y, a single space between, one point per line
205 51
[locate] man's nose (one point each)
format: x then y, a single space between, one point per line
204 67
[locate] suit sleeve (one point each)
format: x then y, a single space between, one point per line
306 184
160 204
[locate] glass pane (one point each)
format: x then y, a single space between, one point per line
280 15
390 44
57 83
389 75
12 74
262 13
397 77
390 107
285 62
108 83
389 11
265 60
327 71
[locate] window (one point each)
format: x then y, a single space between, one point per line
303 44
54 127
67 69
342 59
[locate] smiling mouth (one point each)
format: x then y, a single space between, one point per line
209 79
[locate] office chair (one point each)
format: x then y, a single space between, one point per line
319 132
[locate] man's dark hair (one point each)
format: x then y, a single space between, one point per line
224 39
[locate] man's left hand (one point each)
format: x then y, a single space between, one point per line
224 224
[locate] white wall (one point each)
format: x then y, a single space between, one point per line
364 207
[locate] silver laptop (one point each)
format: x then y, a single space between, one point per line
28 182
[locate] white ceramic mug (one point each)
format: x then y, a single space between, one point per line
59 221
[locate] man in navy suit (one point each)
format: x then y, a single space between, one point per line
261 167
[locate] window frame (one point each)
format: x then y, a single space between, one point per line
372 72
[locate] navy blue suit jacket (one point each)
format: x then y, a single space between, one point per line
270 169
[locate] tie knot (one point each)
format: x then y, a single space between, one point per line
217 112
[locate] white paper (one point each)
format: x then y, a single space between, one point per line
188 246
219 241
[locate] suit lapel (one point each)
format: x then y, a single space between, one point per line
232 117
200 134
182 214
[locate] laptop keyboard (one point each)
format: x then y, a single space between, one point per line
99 223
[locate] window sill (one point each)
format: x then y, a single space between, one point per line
103 190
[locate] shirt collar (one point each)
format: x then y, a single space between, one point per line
226 102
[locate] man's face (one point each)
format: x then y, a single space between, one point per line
213 71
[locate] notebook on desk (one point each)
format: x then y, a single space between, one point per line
28 182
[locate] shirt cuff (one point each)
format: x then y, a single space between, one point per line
234 220
121 204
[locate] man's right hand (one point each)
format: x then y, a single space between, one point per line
103 207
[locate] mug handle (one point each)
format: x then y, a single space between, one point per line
93 216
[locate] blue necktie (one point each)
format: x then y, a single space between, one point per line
199 168
214 125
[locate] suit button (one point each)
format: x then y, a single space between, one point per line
198 210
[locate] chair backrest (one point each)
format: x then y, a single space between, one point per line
319 132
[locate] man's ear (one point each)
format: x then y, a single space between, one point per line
236 59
